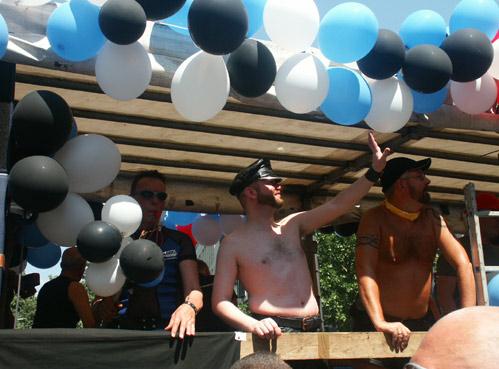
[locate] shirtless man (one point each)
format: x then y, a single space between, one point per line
396 245
267 257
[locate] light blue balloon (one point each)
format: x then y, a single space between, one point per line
4 36
44 257
428 103
172 219
493 289
178 21
348 32
154 282
254 8
423 27
482 15
349 98
73 31
30 236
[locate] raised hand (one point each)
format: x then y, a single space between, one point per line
379 157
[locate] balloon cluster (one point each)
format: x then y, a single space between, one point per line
204 229
49 168
419 66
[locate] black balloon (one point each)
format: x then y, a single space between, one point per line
218 26
38 183
141 261
346 229
471 54
160 9
41 122
386 57
98 241
252 69
427 68
122 21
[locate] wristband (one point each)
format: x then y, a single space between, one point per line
372 176
192 306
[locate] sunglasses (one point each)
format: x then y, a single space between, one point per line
147 194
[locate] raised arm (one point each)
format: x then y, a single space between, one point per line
324 214
455 254
223 288
366 261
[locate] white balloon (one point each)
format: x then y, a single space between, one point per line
62 224
494 68
200 87
302 83
91 162
124 212
292 24
474 97
229 222
32 2
105 279
392 105
206 230
123 71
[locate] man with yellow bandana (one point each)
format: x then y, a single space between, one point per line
397 242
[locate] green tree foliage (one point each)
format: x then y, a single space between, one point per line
337 278
26 312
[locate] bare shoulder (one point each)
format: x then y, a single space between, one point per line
434 215
373 215
288 219
231 243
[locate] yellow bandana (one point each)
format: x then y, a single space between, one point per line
401 213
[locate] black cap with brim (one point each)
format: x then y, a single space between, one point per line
260 169
396 167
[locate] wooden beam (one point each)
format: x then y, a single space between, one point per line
337 345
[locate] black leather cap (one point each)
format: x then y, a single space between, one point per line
396 167
260 169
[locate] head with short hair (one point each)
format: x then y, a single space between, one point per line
148 188
72 262
464 339
408 174
261 360
146 174
258 176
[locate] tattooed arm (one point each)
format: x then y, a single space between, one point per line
366 262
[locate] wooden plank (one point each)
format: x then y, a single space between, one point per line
332 346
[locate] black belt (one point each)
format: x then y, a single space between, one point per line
307 324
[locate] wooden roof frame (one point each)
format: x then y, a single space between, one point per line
200 171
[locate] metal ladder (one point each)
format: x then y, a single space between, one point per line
477 259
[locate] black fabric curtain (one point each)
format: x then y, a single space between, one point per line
107 348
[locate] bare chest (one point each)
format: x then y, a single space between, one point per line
408 241
275 252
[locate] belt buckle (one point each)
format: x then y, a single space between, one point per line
305 324
308 323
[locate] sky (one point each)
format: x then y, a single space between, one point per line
390 15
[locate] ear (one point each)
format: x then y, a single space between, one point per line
250 192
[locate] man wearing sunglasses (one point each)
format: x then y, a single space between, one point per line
266 254
397 242
175 301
